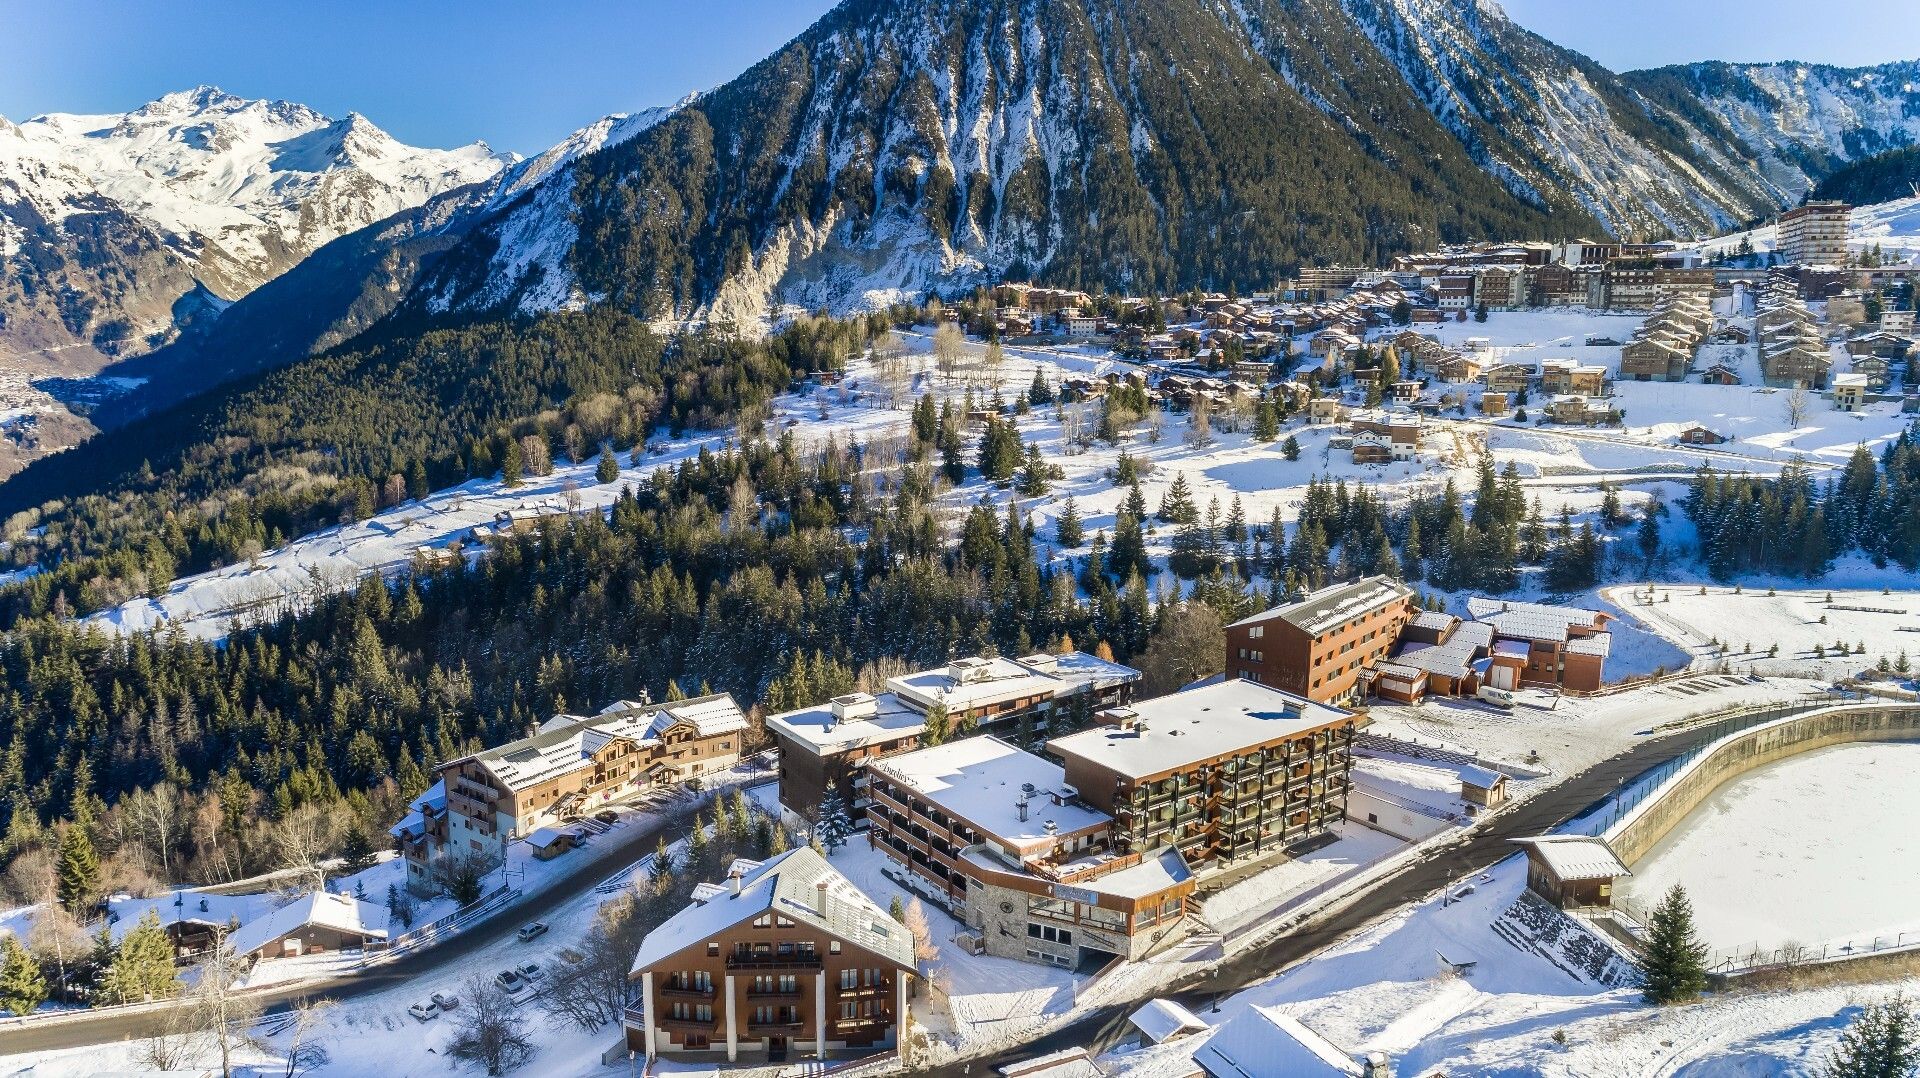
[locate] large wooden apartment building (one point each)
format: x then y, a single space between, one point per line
786 956
571 766
1318 647
998 837
1222 774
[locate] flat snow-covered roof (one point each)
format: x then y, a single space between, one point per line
817 729
1185 728
980 780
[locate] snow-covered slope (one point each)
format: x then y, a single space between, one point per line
907 145
107 220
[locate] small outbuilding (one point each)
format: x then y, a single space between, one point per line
1572 871
1163 1020
548 843
1482 786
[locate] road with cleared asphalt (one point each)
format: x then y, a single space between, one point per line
1479 850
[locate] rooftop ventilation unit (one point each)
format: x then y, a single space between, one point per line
968 671
851 707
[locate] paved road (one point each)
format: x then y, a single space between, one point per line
1479 850
630 844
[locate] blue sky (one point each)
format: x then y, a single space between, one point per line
521 75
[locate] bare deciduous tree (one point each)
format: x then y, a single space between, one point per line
304 1052
303 839
1798 403
489 1028
1185 649
216 1007
949 349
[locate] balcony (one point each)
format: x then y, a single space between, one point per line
775 993
807 960
778 1029
684 992
685 1025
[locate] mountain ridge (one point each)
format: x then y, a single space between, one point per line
107 220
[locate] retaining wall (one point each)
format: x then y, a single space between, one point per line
1650 821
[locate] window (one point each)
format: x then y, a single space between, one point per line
849 978
1256 632
713 950
1050 934
765 920
834 947
847 1011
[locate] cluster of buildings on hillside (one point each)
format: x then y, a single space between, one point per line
1055 817
532 788
1370 637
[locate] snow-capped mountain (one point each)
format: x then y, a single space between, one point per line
106 221
900 145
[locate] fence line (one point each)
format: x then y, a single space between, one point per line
1651 783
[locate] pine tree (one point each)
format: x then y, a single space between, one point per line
835 823
22 986
356 849
1033 474
1266 422
939 728
142 967
1040 393
1883 1042
1675 964
1068 532
897 910
608 469
79 870
511 465
1290 448
1176 506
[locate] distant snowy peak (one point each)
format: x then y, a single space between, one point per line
233 190
610 130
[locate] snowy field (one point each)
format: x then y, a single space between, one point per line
1245 901
1390 988
1885 622
1819 849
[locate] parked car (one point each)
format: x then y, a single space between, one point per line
531 971
532 930
509 980
424 1012
446 1002
607 816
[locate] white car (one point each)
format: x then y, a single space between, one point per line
532 930
424 1012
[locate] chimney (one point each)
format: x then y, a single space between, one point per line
1020 807
821 887
1377 1065
734 878
1052 828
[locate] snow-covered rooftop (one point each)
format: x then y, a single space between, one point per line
342 913
1163 1019
1262 1042
1576 857
566 742
981 780
798 884
1322 610
1185 728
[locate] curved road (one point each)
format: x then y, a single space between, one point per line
630 847
1478 851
